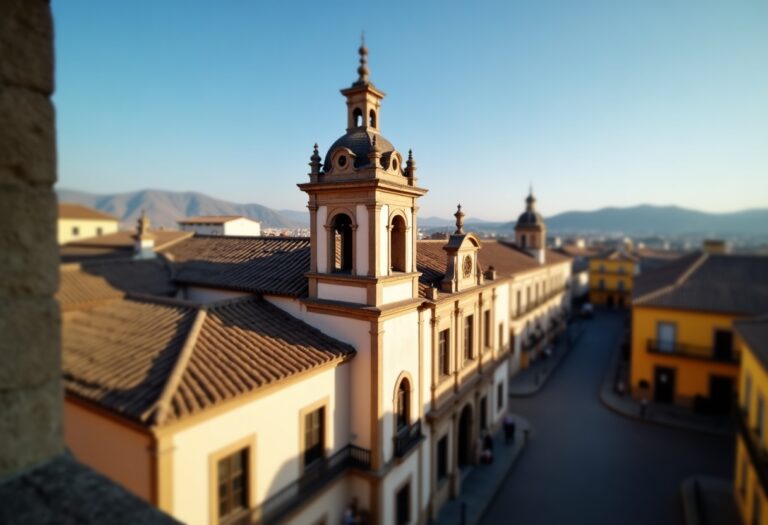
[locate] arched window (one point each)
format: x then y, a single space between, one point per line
357 117
372 119
397 244
341 243
403 404
523 241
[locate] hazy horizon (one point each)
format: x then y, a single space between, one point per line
596 104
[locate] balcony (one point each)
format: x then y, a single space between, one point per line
407 438
758 455
708 353
316 477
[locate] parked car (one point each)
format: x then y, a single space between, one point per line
587 310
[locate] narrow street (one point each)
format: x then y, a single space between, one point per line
586 464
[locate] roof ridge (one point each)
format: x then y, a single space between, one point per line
163 404
163 300
692 269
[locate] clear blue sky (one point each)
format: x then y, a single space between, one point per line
597 103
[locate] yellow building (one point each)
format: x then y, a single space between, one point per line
610 278
80 222
751 476
682 328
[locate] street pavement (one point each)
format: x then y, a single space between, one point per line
586 464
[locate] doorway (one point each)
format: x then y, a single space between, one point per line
723 345
720 394
664 384
465 437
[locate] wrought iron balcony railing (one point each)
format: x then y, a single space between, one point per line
316 476
407 438
693 351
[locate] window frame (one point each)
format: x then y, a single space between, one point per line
321 404
469 336
248 444
444 353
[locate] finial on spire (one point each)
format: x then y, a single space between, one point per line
362 70
459 221
410 165
314 161
530 200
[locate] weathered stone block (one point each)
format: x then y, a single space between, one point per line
27 138
29 255
30 337
26 44
30 426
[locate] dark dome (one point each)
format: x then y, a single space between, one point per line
360 142
530 218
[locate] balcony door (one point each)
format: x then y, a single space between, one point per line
723 345
664 384
666 335
721 393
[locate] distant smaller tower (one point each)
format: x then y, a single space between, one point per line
530 230
143 240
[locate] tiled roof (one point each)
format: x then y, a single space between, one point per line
615 255
734 284
156 362
273 265
506 258
118 245
83 285
78 211
212 219
755 334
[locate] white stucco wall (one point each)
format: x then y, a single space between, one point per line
243 227
401 353
337 292
357 334
390 485
275 421
86 228
397 292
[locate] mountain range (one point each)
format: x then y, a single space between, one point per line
164 208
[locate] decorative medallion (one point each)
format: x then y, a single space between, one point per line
467 266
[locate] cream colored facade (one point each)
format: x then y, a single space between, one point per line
75 229
236 226
408 409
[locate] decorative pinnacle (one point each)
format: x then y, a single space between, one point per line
314 161
410 164
362 70
459 221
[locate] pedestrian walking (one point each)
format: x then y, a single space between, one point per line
509 429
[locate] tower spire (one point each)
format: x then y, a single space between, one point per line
362 70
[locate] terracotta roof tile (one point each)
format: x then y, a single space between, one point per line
156 362
734 284
273 265
81 285
78 211
118 245
506 258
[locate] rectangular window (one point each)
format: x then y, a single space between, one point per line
99 230
483 413
403 503
75 231
723 345
666 334
469 325
500 395
487 328
314 436
442 458
232 477
444 352
519 303
501 337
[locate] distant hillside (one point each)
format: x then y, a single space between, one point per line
164 208
637 220
670 220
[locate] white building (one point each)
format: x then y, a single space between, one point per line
236 225
292 378
77 222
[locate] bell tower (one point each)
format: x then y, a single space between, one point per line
530 230
362 204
